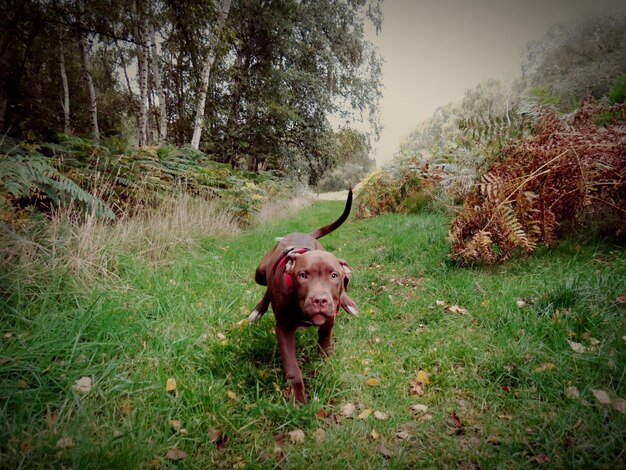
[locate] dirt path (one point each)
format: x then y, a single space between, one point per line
334 196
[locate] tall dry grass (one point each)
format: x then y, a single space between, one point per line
87 247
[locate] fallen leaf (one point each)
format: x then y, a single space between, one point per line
319 435
51 418
372 382
66 443
374 435
170 386
602 397
380 415
520 303
572 393
296 436
441 303
505 416
386 453
545 366
232 395
457 309
418 408
541 459
422 376
176 454
621 299
221 336
347 410
321 414
365 414
416 388
576 347
83 385
485 303
455 423
214 434
620 405
404 435
176 424
425 417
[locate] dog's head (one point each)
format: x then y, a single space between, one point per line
318 279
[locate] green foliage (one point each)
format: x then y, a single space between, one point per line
617 93
29 175
110 180
351 151
404 188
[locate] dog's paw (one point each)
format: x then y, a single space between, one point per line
255 316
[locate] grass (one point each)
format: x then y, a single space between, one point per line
503 370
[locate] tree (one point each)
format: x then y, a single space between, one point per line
206 73
569 60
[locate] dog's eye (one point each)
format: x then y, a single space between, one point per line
334 275
302 275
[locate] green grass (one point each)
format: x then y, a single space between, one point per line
502 369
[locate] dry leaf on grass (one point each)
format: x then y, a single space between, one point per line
296 436
66 443
386 453
454 422
417 408
176 454
83 385
232 395
620 405
457 309
364 414
380 415
572 393
374 434
319 435
372 382
170 386
576 347
347 410
602 397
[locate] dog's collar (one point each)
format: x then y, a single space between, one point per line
283 261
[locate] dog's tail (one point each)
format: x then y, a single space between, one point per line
320 232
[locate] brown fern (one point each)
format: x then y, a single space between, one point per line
568 170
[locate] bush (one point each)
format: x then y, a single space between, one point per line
569 171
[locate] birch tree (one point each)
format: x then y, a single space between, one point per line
156 73
206 74
67 128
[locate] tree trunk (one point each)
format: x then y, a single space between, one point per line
206 74
125 69
92 105
66 91
156 73
142 71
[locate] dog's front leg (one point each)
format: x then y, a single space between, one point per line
324 341
287 345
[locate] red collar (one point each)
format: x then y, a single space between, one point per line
283 261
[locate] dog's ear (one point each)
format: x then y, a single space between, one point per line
291 262
347 273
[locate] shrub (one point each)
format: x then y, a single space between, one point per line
570 170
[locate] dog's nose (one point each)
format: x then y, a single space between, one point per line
320 301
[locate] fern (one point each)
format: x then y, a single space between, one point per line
26 176
569 170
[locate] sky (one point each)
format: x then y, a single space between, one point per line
434 50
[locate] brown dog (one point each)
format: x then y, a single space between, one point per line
305 286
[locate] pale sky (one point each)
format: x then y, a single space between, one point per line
436 49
